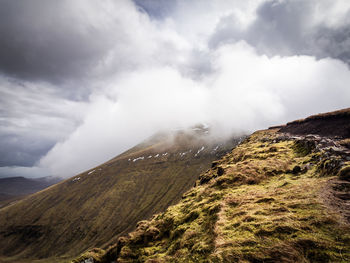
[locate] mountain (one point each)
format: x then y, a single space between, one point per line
101 204
15 188
283 195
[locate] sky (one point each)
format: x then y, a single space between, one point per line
82 80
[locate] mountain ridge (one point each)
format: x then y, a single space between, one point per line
92 208
282 195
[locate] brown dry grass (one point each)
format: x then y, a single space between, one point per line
257 211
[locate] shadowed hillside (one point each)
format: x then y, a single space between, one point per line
332 124
277 197
97 206
15 188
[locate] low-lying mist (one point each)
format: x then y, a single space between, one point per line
244 91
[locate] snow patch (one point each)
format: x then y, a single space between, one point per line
184 153
201 149
138 158
91 172
76 179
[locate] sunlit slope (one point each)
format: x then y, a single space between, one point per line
96 206
277 197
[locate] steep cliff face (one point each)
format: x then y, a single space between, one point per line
280 196
96 206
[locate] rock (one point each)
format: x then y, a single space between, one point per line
282 138
335 149
304 147
312 137
329 165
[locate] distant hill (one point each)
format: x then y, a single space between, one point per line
283 195
14 188
95 207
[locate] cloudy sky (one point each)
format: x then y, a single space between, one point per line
83 80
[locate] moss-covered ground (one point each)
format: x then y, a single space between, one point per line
262 202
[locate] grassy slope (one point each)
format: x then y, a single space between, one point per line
76 214
256 211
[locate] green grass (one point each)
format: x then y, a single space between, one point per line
257 211
73 216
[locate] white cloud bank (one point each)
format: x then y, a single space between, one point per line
245 92
102 76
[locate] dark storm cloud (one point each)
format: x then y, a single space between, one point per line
94 77
21 151
32 119
53 55
286 28
335 43
46 40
